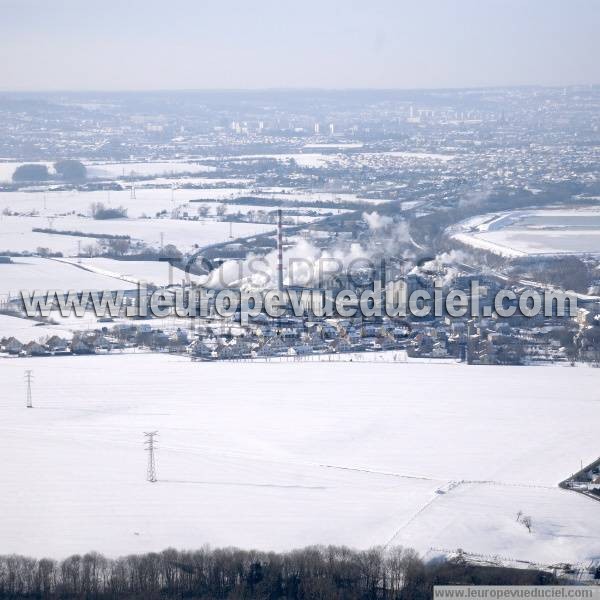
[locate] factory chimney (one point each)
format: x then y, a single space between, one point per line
279 251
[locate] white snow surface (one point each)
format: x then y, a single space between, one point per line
159 273
119 169
147 202
28 330
132 169
281 455
33 273
16 232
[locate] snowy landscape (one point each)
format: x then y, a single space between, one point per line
288 454
459 436
299 301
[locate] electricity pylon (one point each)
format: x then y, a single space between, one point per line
150 444
28 378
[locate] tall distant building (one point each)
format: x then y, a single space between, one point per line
331 129
317 128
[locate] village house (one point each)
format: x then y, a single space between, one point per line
34 349
12 345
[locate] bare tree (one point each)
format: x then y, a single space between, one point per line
89 250
118 246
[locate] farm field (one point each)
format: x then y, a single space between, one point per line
119 169
158 273
28 330
34 273
147 202
281 455
16 232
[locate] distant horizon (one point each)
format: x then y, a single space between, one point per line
297 89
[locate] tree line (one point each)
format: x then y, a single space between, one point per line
65 170
311 573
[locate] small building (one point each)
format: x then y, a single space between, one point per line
34 349
12 345
78 346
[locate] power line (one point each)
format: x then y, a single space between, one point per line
150 444
28 378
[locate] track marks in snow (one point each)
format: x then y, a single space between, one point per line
411 519
449 487
242 484
384 473
451 483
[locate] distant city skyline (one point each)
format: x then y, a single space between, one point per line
183 44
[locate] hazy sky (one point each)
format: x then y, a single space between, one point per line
185 44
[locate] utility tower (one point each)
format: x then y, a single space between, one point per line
132 192
28 378
150 444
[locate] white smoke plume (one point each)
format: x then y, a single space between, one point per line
396 237
304 265
445 265
307 265
376 221
451 258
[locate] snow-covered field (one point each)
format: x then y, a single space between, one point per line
147 201
16 232
33 273
305 197
159 273
540 232
307 160
132 169
28 330
282 455
317 160
119 169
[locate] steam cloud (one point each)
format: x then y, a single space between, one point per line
307 265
